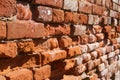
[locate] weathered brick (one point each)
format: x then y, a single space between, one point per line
2 30
111 35
54 3
50 56
65 41
71 17
86 57
107 29
94 54
92 38
90 65
84 39
8 8
101 67
20 75
58 15
96 62
97 29
25 29
79 29
79 69
42 73
25 47
93 46
70 63
71 5
41 13
100 36
85 6
72 51
118 28
98 2
104 72
24 12
111 54
98 10
83 19
84 48
8 49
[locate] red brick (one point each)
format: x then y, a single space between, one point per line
50 56
84 39
8 8
68 3
71 17
42 73
2 30
58 29
58 15
99 2
85 6
118 28
20 75
41 13
62 29
75 40
83 19
72 51
107 29
111 35
65 41
98 10
100 36
92 1
8 49
79 30
113 41
24 12
70 63
92 38
79 69
54 3
97 29
108 3
25 47
25 29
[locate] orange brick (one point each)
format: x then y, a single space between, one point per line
72 51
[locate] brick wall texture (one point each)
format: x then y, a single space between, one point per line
59 39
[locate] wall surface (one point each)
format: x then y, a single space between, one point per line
59 39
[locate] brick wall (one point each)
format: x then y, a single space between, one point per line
59 39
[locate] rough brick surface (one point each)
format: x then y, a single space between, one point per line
8 8
20 75
59 39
